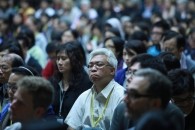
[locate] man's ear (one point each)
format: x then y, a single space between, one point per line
112 71
39 112
156 103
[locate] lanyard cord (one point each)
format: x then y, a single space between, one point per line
61 101
94 124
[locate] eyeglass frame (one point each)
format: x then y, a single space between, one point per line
100 66
137 96
179 101
11 87
129 73
4 68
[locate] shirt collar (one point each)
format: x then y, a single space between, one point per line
106 91
60 84
27 58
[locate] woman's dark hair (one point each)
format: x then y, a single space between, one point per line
25 71
118 44
77 60
26 32
74 33
12 46
115 31
135 45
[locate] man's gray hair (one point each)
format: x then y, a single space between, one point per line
158 84
108 53
41 90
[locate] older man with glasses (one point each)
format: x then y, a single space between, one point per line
7 62
94 108
183 95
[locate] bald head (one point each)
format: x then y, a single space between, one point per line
16 60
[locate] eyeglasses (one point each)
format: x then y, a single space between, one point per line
12 87
98 65
4 68
178 101
133 95
128 73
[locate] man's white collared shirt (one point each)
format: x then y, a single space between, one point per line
80 117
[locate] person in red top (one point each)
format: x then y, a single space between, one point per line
50 68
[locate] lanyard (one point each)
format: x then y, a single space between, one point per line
94 124
61 101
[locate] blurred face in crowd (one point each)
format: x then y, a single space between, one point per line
192 40
184 101
22 109
110 45
67 37
63 62
137 103
130 72
171 46
13 79
5 69
156 34
99 69
128 55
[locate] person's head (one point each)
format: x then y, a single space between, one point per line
69 36
174 42
70 59
31 100
158 30
24 31
56 35
170 60
182 89
115 44
32 23
144 61
148 90
157 119
112 32
140 35
7 62
51 50
191 38
131 49
17 74
102 66
11 46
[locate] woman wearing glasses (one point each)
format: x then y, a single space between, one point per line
70 78
131 49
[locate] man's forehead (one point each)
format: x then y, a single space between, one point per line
99 57
138 83
6 59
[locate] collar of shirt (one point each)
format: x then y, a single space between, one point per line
27 58
105 92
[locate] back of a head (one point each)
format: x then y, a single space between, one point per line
25 71
41 90
52 46
148 61
114 31
180 40
157 120
170 60
162 24
56 35
12 46
182 81
139 35
135 45
108 53
159 85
